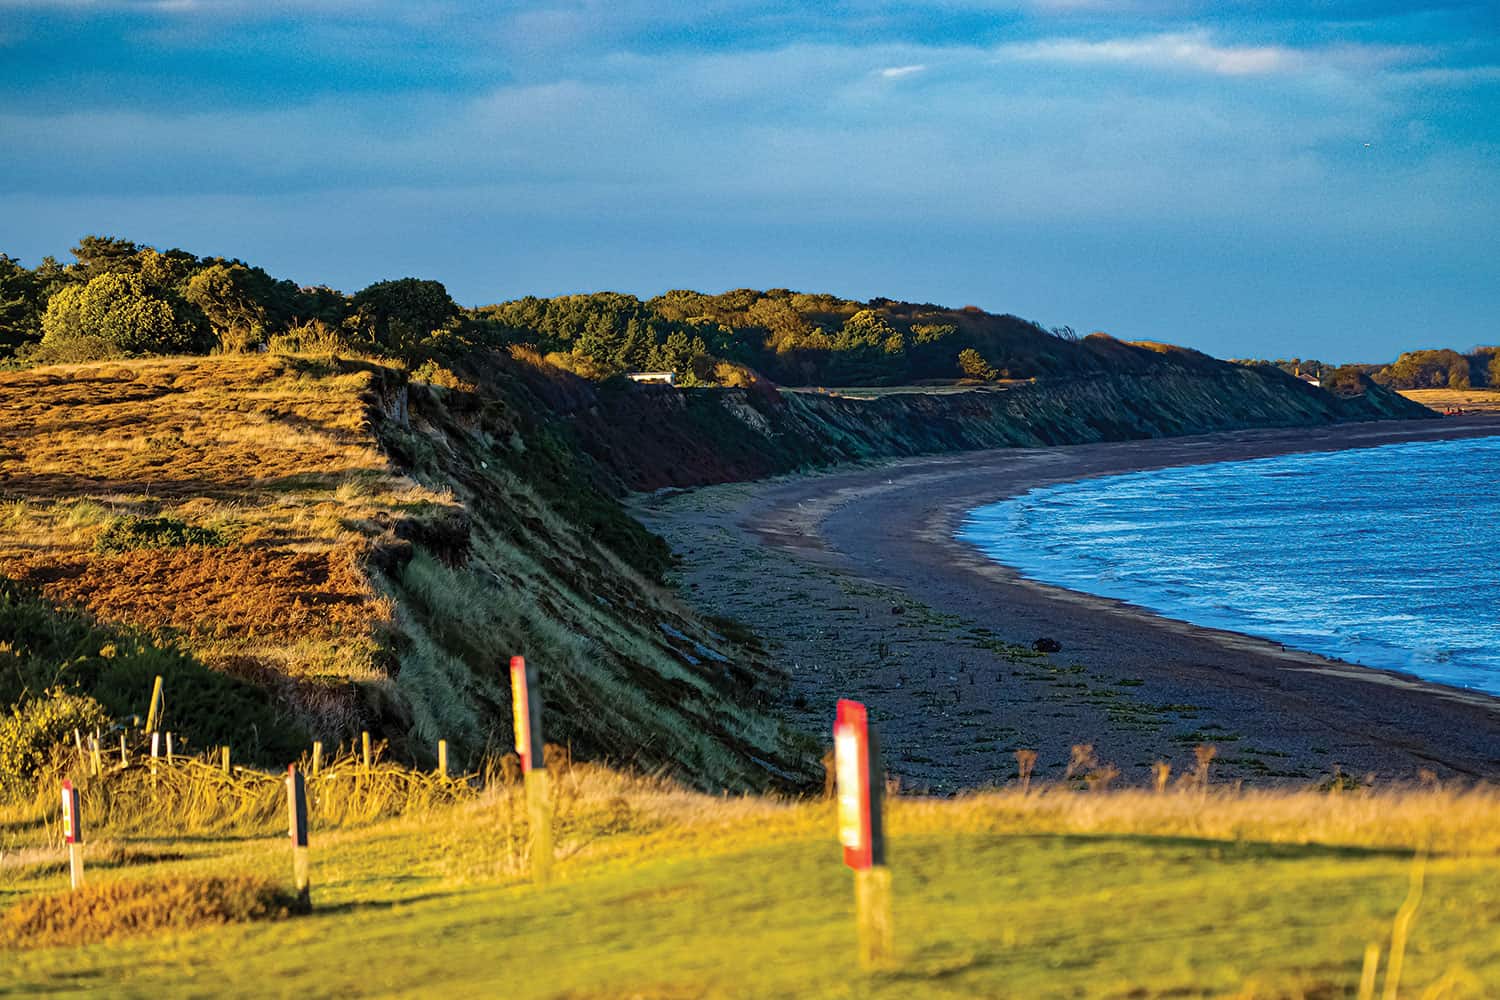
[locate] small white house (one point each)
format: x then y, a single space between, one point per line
659 378
1309 379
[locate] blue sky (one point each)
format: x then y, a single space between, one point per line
1252 179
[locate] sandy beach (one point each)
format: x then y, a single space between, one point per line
855 579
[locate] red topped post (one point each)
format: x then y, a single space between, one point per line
861 787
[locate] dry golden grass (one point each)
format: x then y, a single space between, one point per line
274 453
121 909
1469 400
216 592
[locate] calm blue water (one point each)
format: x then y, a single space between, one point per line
1384 556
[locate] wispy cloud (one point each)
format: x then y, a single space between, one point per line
897 72
1194 51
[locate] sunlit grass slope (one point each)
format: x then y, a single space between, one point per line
667 893
1469 400
368 550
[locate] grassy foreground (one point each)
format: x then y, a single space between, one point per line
667 893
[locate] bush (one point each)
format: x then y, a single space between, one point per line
116 315
316 337
29 736
124 534
119 909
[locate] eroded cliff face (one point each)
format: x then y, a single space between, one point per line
651 437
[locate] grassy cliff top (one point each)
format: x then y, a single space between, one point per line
366 552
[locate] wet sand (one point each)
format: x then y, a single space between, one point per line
857 582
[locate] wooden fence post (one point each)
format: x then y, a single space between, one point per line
296 802
224 758
443 758
317 757
96 756
526 704
364 743
169 750
861 786
72 819
153 714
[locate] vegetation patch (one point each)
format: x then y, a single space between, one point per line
124 534
44 647
123 909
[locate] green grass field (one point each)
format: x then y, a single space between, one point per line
665 893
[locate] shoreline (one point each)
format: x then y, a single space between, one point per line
1136 685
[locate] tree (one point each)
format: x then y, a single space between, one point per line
22 301
400 314
116 315
973 365
104 255
231 297
1426 370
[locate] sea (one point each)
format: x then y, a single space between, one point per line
1388 557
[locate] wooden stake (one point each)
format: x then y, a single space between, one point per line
153 714
155 751
169 749
443 758
539 823
224 758
96 756
317 758
296 802
364 743
872 906
124 758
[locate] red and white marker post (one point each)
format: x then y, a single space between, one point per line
526 702
72 823
296 805
861 787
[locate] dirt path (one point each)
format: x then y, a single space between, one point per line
857 582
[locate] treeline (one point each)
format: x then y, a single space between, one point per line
120 299
1442 369
1427 369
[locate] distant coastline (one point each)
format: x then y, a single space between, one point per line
894 526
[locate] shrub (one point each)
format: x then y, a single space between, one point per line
116 315
120 909
31 733
133 532
973 365
315 337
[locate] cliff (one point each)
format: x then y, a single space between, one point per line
651 437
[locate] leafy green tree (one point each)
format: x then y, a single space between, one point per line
116 315
973 365
1426 370
22 302
98 255
232 298
399 315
